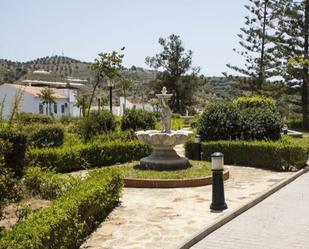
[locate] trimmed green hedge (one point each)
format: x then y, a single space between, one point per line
67 159
43 136
47 184
69 219
279 155
14 158
27 118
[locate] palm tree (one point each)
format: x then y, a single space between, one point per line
124 84
47 97
81 103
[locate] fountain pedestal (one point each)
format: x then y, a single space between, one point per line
164 157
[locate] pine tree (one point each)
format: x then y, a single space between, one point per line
257 45
292 40
176 64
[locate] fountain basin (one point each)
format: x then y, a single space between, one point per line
163 156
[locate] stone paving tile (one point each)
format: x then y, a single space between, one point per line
163 218
279 222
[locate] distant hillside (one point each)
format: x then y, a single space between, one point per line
58 65
61 67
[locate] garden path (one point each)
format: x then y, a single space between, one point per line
163 218
279 222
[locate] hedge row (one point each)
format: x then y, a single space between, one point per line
27 118
270 155
69 219
67 159
47 184
15 155
42 136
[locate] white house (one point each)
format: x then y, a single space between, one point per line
31 102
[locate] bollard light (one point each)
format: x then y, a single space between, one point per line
218 199
217 161
197 147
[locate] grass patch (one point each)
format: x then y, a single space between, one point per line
198 169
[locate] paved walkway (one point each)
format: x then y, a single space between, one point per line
164 218
279 222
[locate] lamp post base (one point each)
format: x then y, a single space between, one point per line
218 199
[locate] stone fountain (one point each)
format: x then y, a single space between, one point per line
164 157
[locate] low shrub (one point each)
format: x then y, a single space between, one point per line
276 155
96 123
14 158
8 184
138 119
67 159
47 184
124 136
27 118
68 119
247 118
220 121
260 124
45 136
69 219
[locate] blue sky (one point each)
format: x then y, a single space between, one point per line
83 28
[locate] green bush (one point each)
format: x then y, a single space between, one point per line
47 184
254 102
14 158
45 136
27 118
276 155
69 219
67 159
124 136
8 184
96 123
260 124
137 119
220 121
245 120
68 119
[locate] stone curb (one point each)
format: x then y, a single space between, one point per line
171 183
225 219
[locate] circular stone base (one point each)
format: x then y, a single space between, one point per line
169 163
171 183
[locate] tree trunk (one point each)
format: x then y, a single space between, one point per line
304 89
92 95
262 66
125 99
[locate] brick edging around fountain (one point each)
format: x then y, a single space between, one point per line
172 183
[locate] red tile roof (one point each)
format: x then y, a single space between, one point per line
36 91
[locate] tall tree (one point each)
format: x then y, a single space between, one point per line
106 66
257 45
47 97
177 73
292 40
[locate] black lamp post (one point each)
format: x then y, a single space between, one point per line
197 147
110 84
218 200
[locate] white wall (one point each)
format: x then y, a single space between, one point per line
130 105
30 103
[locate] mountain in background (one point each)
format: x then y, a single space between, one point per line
61 67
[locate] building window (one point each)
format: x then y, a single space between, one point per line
41 108
55 108
62 109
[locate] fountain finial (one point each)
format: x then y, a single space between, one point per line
164 91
